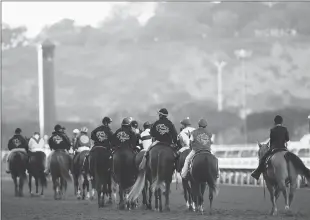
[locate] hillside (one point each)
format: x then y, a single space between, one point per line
123 68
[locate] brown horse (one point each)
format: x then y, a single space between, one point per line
204 170
100 165
124 173
81 179
281 175
18 164
161 167
36 169
61 163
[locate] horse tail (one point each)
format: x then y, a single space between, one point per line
158 183
63 171
43 180
298 164
137 187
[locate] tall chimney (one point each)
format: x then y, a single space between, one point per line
47 108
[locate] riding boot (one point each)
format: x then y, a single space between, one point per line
7 170
256 173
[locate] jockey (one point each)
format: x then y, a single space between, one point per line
125 135
76 132
200 140
163 130
135 128
58 141
82 141
185 133
36 143
102 135
145 137
16 143
278 140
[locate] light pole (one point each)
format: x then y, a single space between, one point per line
242 54
309 122
220 65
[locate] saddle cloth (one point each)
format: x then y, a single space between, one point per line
197 153
9 155
83 148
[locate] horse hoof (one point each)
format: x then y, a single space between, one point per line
287 208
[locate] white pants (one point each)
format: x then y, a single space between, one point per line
186 163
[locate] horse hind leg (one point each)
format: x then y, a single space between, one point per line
167 202
15 185
20 186
37 184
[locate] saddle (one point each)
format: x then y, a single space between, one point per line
198 153
272 152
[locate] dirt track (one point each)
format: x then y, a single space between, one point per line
233 202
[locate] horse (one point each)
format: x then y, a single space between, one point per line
124 173
18 164
146 192
61 163
36 169
81 179
204 169
161 165
99 158
185 181
281 175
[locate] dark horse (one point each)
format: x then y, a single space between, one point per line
61 163
18 165
99 159
161 167
185 181
204 170
124 173
36 169
81 180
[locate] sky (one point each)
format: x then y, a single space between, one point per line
36 15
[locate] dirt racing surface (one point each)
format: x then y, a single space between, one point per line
233 202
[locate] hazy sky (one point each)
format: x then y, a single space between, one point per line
35 15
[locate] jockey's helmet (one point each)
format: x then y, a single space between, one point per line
126 121
106 120
76 131
84 129
185 121
163 112
134 124
146 125
278 119
18 131
58 127
202 123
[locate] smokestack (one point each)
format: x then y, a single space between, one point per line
47 109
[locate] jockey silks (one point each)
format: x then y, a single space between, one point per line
82 141
124 137
17 141
278 137
58 141
201 139
163 130
36 143
146 139
184 136
102 136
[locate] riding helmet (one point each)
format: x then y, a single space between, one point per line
146 125
18 131
84 129
185 121
134 124
106 120
163 112
126 121
278 119
202 123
